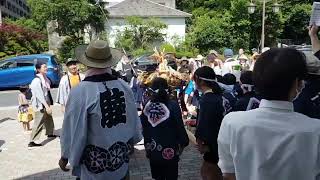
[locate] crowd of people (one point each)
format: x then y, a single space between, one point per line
255 118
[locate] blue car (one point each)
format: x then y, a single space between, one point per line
20 70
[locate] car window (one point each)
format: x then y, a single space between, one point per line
41 60
8 64
53 61
25 63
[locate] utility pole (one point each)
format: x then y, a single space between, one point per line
263 24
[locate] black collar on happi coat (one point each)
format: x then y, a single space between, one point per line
101 78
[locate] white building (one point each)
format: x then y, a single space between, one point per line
13 9
163 9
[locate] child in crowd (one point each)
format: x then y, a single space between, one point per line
212 108
164 134
24 111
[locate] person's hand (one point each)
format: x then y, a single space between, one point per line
201 147
313 30
49 110
63 164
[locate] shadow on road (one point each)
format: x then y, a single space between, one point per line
47 141
56 132
6 119
51 174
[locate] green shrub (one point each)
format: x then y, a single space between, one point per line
179 55
168 48
140 52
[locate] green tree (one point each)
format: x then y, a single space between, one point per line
210 32
140 34
72 15
226 23
295 21
67 48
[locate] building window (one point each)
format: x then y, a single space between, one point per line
2 2
4 15
9 6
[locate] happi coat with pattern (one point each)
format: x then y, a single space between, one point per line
100 125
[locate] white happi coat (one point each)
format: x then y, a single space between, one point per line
100 125
64 89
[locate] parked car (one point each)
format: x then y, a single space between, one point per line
20 70
146 63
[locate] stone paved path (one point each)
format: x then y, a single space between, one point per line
19 162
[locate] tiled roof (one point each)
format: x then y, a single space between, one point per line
143 8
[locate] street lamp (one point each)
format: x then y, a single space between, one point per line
276 7
251 9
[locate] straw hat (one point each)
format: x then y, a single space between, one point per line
243 57
184 58
199 58
214 52
313 63
98 54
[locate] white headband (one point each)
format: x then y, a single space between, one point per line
157 90
206 79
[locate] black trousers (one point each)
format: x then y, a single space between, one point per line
167 170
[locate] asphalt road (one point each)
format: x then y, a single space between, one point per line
9 98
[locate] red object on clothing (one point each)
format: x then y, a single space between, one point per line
191 122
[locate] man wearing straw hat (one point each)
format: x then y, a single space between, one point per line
101 121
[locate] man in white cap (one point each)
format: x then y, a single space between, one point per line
101 122
196 63
68 81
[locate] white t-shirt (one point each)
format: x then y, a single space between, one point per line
270 143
